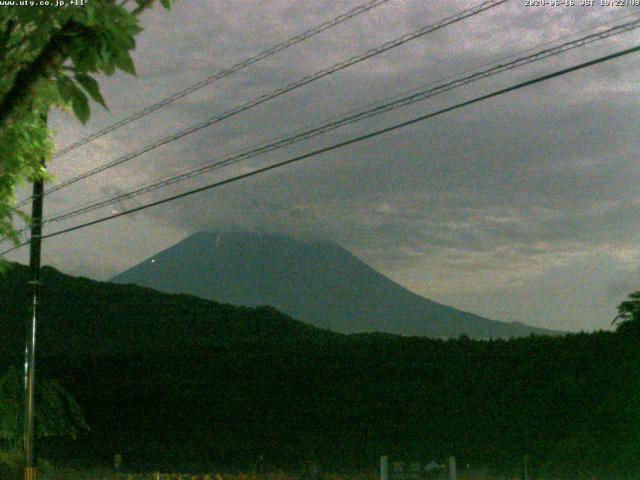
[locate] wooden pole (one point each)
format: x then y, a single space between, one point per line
30 345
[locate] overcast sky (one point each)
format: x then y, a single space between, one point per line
521 208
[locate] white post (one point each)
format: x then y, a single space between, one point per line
452 468
384 467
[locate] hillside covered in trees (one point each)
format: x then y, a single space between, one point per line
175 380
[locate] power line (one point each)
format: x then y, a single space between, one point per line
345 143
397 102
486 5
225 73
108 200
502 59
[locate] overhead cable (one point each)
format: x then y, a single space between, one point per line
396 103
345 143
486 5
225 73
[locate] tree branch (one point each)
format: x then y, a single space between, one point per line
52 56
142 7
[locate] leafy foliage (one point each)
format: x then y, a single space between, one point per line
18 143
49 57
11 464
58 414
629 314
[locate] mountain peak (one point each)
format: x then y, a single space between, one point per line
318 282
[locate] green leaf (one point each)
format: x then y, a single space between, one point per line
80 105
71 92
125 63
104 54
91 87
109 66
62 83
82 59
166 4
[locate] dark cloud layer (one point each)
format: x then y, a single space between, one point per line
521 208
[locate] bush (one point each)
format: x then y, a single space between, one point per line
11 465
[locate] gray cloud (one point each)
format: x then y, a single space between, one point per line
519 208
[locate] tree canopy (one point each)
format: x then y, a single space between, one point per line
58 414
629 314
159 393
49 57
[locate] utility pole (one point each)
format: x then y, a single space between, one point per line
30 346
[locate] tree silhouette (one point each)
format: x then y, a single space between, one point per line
629 314
58 414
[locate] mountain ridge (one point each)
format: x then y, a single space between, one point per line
85 316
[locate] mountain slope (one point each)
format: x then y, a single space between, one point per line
317 282
83 316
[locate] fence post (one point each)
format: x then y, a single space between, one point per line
384 467
452 468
